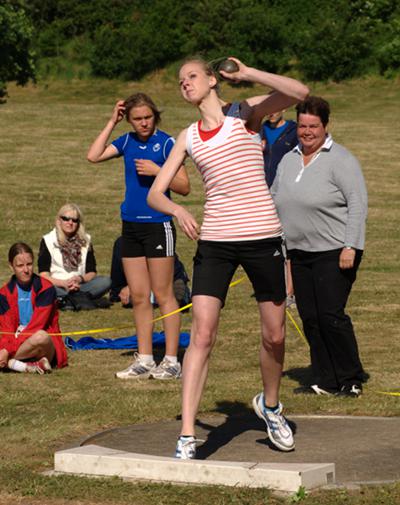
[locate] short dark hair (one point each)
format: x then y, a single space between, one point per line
18 248
316 106
139 99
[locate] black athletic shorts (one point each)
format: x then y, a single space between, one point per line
152 240
215 263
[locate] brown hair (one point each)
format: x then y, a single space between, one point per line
316 106
139 99
18 248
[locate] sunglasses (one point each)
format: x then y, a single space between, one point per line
66 219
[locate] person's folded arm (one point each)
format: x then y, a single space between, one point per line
157 198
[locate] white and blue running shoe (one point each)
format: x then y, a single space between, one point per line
186 448
278 429
137 370
167 370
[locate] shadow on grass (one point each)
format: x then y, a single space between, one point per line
239 419
303 375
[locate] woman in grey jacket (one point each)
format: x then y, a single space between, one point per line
321 198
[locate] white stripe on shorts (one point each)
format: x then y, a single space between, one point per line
169 239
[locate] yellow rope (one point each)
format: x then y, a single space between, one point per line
104 330
296 325
233 283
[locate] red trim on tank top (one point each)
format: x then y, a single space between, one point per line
208 134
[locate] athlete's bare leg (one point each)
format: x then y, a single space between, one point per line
206 310
272 350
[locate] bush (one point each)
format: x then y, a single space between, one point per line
144 42
388 54
17 57
249 30
129 38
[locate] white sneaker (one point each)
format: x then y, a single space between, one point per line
320 391
186 448
167 370
137 370
278 429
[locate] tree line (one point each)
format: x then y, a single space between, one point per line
318 40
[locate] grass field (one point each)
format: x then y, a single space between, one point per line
45 133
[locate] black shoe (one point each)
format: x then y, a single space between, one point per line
81 301
114 297
102 303
365 377
314 389
350 390
65 304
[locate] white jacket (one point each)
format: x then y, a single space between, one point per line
57 268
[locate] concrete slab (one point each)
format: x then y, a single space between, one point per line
237 452
95 460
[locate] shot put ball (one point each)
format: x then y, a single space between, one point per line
228 66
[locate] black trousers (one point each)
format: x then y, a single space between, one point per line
322 290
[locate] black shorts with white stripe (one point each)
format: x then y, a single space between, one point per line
152 240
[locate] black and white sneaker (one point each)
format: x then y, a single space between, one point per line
350 390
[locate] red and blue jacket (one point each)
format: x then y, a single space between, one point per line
44 317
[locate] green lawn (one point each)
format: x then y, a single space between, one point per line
45 133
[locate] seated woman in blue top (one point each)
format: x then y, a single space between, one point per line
148 236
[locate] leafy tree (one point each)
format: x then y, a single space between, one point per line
248 29
17 58
129 38
148 39
388 53
387 15
332 41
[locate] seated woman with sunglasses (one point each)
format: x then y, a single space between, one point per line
66 258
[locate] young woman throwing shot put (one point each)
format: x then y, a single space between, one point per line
240 227
148 236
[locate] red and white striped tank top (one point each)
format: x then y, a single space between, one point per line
238 202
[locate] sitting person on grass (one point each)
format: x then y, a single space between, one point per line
29 318
66 259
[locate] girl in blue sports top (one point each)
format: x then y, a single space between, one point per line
148 236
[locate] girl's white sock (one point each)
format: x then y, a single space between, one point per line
16 365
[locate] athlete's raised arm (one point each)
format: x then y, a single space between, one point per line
288 91
99 150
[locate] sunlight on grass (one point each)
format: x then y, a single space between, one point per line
46 131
